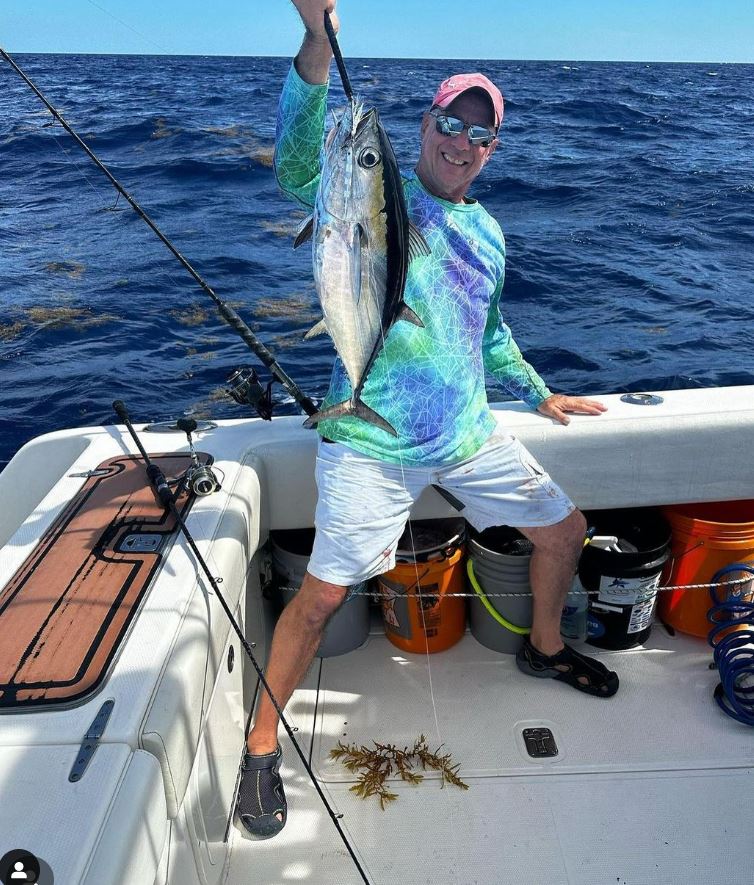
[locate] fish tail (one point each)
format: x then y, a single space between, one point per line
351 409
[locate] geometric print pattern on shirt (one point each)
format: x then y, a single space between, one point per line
428 382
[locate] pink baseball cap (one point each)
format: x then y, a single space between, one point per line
451 88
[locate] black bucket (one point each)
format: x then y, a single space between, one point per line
623 582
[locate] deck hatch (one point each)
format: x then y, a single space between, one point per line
141 542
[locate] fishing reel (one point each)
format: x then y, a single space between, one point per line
200 478
246 389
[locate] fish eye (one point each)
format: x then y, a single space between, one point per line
369 158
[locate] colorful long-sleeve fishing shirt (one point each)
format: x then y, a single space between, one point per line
428 382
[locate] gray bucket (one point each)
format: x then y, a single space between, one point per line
498 558
348 628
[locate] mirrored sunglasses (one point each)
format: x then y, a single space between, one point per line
452 126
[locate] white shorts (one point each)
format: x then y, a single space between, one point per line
364 503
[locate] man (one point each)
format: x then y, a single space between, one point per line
428 382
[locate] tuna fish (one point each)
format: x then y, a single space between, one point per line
362 245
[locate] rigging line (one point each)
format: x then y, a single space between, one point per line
126 25
413 548
226 311
331 36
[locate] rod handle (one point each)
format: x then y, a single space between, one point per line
331 36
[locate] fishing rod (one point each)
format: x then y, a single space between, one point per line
330 30
167 498
245 385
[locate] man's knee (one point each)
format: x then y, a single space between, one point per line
319 600
566 536
576 528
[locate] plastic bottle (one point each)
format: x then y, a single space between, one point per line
573 617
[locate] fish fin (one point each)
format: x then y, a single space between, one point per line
417 245
304 231
405 313
350 409
319 328
358 241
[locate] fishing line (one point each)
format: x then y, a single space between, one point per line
154 474
126 25
349 94
226 311
167 499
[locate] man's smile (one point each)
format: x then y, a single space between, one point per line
454 161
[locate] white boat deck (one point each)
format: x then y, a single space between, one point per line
652 786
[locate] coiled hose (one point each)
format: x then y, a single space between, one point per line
732 638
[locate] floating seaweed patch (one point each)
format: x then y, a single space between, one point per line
57 317
256 151
263 154
249 144
204 409
9 331
233 131
283 342
298 306
162 130
287 228
72 269
192 316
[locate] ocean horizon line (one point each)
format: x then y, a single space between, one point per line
356 58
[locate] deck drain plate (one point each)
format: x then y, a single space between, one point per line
540 742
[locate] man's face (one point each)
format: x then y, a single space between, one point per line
448 164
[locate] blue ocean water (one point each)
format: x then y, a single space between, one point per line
624 190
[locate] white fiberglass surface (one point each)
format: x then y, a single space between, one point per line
634 794
476 702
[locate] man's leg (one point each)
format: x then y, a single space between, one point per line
294 644
261 802
504 484
553 564
362 508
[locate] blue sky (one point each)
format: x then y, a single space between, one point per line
627 30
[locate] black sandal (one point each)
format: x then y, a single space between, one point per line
261 797
568 665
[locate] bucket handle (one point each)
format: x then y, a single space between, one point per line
521 631
673 559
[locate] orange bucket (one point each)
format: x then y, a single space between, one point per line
418 613
705 538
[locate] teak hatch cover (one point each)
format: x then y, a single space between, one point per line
67 608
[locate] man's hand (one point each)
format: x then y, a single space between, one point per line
312 14
313 59
556 406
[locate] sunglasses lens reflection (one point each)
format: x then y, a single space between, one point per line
452 126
